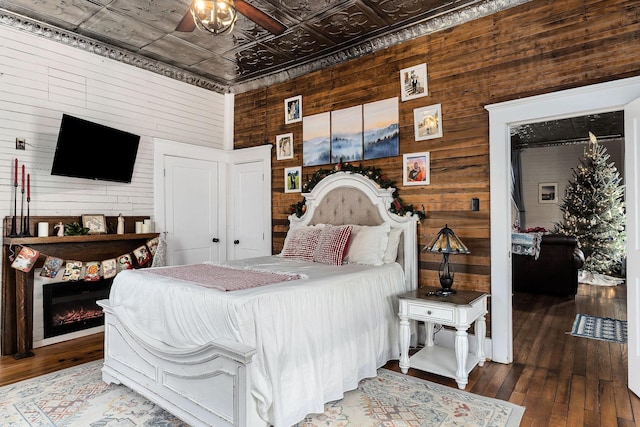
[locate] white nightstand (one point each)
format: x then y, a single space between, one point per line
459 310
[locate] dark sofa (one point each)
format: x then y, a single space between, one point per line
555 271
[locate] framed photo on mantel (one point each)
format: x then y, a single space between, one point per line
95 223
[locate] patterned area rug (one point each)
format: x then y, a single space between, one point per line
78 397
600 328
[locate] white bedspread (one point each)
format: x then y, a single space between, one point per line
315 337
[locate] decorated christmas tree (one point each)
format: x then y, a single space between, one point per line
593 211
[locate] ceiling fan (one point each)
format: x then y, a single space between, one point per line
218 17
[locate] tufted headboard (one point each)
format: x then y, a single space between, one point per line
348 198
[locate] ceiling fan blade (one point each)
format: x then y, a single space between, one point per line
186 23
259 17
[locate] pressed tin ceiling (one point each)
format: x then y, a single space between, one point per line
318 34
574 130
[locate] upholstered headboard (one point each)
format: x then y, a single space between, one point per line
350 198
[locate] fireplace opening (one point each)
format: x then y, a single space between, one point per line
71 306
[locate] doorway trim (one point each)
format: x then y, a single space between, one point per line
598 98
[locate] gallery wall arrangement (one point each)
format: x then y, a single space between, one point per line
467 67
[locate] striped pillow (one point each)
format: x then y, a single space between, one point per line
332 244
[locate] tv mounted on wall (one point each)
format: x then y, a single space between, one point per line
93 151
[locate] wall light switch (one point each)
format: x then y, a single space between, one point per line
20 144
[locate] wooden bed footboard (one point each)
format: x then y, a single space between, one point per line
205 386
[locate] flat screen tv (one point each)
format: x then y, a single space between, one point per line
93 151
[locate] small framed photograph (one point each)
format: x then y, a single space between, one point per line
416 169
293 109
284 146
548 192
413 82
293 179
95 223
427 122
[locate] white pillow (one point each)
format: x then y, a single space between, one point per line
391 253
368 244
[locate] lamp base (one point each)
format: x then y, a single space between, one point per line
445 292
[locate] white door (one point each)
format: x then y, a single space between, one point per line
631 167
247 217
191 210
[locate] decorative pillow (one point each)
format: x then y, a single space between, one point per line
332 244
294 227
301 243
391 253
368 244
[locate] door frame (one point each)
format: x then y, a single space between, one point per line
597 98
165 147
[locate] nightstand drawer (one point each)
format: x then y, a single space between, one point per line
432 314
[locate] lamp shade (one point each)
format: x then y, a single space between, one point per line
446 242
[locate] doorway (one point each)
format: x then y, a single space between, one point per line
599 98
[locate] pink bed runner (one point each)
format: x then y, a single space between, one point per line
223 278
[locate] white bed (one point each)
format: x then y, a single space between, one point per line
267 355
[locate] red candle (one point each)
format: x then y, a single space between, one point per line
28 186
15 173
22 177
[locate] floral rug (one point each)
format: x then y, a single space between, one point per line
78 397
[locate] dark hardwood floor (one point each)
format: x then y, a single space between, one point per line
561 380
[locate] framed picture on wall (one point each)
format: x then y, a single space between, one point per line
293 180
284 146
413 82
293 109
548 192
427 122
416 169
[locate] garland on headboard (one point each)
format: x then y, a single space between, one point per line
397 207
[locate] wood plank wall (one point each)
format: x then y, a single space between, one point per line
540 47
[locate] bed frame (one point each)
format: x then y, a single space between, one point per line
210 385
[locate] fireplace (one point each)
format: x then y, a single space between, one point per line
71 306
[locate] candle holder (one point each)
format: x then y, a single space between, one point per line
25 228
14 219
22 214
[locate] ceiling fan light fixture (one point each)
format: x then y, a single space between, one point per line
214 16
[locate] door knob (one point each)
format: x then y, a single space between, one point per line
215 240
236 242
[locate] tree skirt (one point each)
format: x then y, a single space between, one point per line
78 397
600 328
597 279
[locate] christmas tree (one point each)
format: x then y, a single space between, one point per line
593 211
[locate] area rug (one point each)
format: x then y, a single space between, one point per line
600 328
78 397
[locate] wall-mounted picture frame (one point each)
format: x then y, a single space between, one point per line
284 146
316 139
427 122
548 192
293 109
346 134
95 223
293 179
416 169
381 129
413 82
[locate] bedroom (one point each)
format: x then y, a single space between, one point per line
536 48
